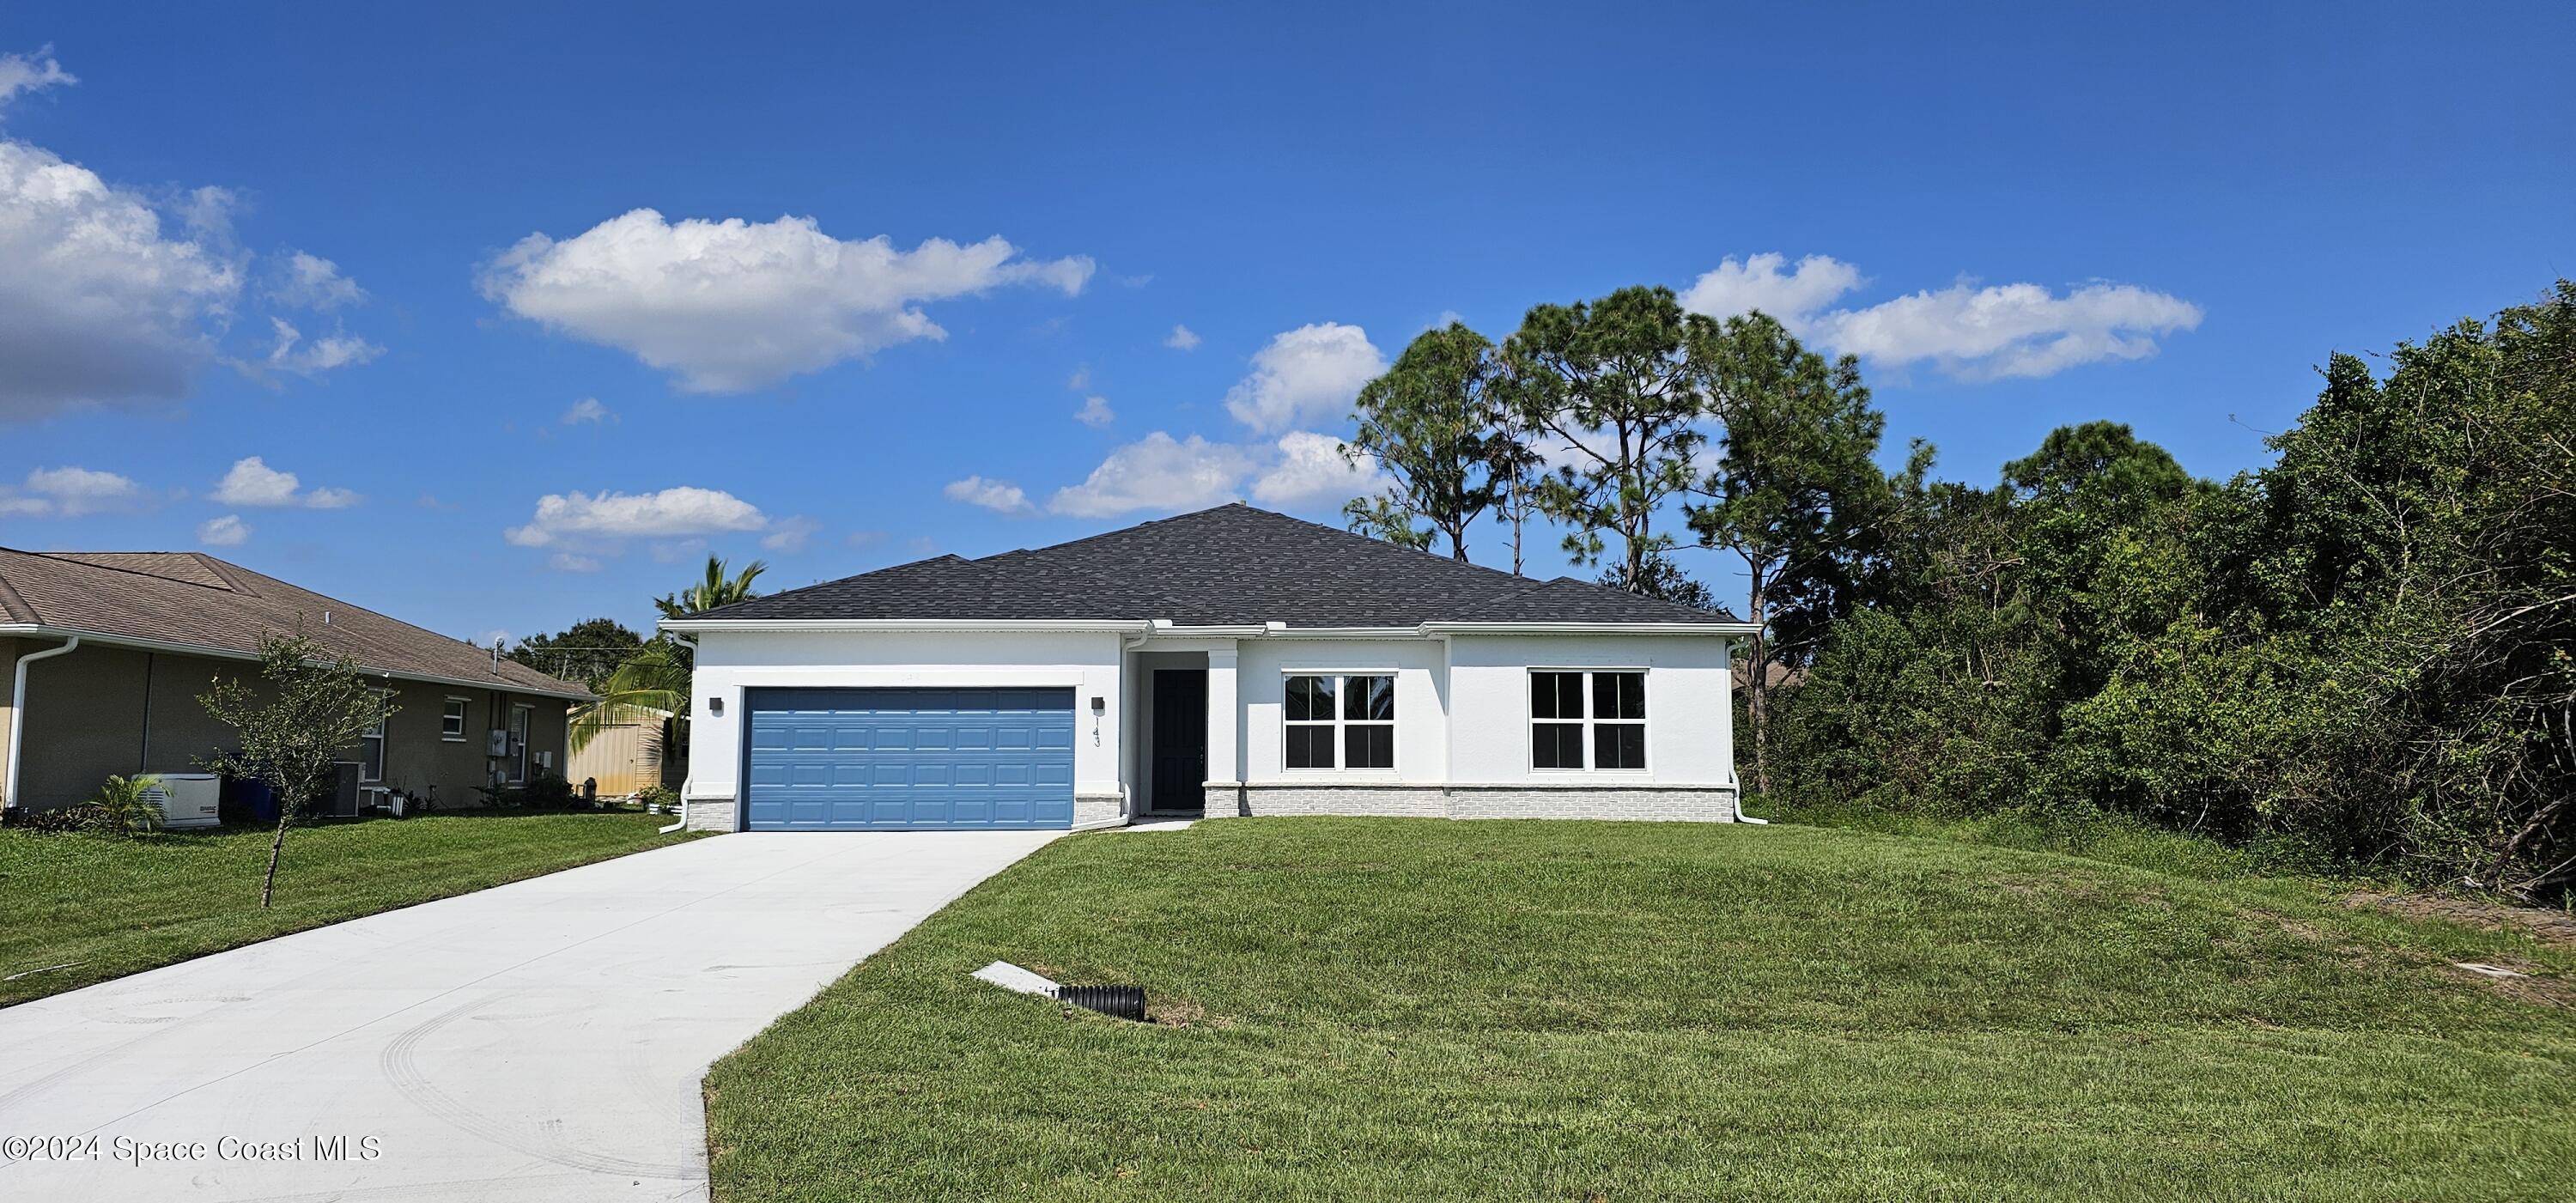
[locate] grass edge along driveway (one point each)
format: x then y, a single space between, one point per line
102 908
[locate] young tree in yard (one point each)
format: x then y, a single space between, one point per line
311 711
1794 489
1611 381
587 653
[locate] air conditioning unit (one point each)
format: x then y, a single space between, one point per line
496 743
186 799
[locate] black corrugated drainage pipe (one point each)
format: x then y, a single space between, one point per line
1120 1002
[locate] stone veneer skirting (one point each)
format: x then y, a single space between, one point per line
709 814
1097 808
1590 800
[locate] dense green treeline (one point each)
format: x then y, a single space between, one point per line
2363 654
2366 651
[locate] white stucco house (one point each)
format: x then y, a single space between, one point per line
1229 662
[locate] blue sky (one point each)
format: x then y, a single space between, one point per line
2019 218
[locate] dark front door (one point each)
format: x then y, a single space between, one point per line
1180 740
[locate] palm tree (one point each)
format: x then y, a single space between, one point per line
654 680
123 806
712 592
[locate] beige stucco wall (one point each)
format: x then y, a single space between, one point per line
110 710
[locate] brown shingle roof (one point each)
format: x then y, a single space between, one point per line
194 600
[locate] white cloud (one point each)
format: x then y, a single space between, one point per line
588 409
1757 283
1080 380
1182 339
69 492
564 561
313 282
732 306
323 354
1095 412
2012 329
251 482
672 513
790 534
999 496
1311 372
98 305
22 73
1968 331
1311 469
227 531
1157 473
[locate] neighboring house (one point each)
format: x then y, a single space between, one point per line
626 757
1227 662
148 632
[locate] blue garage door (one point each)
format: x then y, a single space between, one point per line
909 759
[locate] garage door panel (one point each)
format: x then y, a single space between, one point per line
872 759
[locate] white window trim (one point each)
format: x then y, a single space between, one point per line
464 719
384 746
517 772
1530 721
1341 749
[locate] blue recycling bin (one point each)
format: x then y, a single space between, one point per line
256 799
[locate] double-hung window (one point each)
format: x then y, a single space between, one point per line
1340 721
371 753
1587 719
451 720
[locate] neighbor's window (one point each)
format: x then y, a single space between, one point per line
1594 720
451 721
1340 721
371 753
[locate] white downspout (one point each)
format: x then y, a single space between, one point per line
689 703
1732 777
18 717
1127 644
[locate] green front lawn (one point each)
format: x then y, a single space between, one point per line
1399 1009
105 907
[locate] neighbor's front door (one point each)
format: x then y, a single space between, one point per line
519 744
1180 740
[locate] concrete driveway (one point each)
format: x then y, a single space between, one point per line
541 1040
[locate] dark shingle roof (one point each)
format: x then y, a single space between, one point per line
195 600
1230 565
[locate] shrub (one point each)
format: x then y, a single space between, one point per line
658 798
61 820
547 789
120 808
